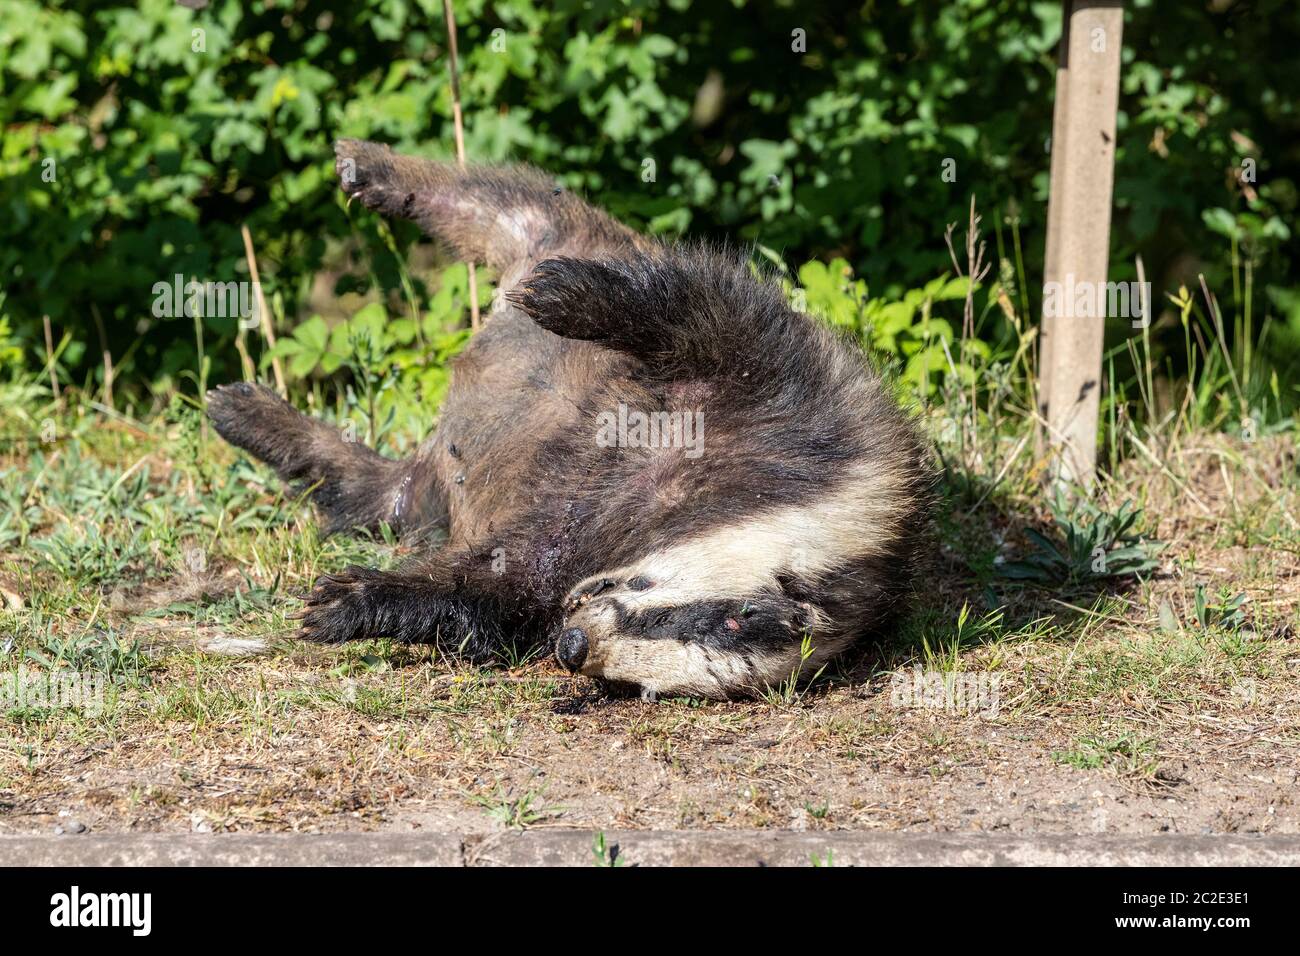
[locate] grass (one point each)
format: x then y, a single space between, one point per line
603 854
517 813
1127 753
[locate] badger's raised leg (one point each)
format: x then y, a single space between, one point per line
684 313
451 601
353 486
500 216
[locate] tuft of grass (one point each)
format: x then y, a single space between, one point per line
791 690
604 854
518 813
98 652
1127 753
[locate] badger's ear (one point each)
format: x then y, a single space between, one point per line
619 303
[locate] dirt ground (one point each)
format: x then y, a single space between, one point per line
546 756
1112 709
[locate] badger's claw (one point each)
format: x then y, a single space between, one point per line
340 607
369 172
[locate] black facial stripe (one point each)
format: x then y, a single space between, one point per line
742 625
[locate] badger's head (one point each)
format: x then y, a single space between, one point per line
750 604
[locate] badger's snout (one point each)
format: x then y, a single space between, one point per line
571 648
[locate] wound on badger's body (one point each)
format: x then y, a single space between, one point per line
580 510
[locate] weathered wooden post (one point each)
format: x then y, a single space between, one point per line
1078 233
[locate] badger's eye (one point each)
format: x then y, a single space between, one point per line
639 583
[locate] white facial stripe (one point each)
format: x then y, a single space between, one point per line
853 520
677 667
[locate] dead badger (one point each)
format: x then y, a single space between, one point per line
777 503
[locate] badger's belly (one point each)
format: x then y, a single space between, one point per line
514 390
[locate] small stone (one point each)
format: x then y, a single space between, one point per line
12 599
227 646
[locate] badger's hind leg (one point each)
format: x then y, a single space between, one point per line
353 486
498 215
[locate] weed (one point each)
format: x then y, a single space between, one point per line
1092 544
1127 753
516 812
605 855
788 691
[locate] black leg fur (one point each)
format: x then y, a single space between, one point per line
413 608
497 215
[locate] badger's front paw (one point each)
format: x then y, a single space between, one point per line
341 606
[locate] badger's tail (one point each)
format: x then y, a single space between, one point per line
353 486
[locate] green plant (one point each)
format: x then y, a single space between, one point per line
942 652
517 812
398 365
1227 613
903 326
792 688
604 854
100 652
141 136
1091 544
1128 753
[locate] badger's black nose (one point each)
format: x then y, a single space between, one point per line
571 648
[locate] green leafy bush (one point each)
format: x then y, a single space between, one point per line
139 137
